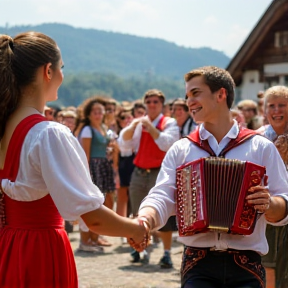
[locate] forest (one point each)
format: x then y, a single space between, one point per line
119 65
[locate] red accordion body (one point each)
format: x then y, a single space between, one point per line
211 194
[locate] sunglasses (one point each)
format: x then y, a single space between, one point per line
110 111
154 102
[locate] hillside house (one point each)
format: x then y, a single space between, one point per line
262 61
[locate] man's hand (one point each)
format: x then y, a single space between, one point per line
128 134
147 124
274 207
260 198
138 241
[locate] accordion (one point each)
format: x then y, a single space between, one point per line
210 195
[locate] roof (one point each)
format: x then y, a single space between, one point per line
278 9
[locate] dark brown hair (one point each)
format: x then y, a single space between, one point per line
87 108
138 104
19 60
216 78
180 102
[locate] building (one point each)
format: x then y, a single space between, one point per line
262 61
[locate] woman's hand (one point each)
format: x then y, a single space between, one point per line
141 237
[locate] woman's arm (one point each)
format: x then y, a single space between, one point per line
86 144
104 221
115 154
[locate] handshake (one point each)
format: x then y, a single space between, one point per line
142 244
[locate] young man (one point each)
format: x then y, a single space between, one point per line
220 259
150 137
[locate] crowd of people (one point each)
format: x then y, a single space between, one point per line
124 118
112 167
124 176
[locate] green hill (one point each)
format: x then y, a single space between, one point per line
91 50
120 65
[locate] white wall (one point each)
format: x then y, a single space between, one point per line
276 69
250 85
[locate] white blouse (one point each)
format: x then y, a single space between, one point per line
53 162
258 150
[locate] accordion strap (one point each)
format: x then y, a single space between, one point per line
243 135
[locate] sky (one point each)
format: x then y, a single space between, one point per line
223 25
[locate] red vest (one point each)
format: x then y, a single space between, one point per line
149 155
243 135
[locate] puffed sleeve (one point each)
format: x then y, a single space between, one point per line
62 163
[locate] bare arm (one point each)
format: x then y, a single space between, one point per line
86 144
104 221
115 154
129 132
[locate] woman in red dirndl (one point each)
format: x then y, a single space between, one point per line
44 173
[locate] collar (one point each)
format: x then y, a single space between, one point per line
270 133
232 133
156 120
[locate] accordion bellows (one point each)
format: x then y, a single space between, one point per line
211 194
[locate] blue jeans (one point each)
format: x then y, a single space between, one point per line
202 268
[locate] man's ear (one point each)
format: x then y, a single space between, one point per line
222 94
48 71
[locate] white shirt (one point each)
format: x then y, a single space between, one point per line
188 127
166 138
258 150
53 162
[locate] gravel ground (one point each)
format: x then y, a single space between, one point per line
113 269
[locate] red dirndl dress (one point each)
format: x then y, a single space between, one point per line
35 251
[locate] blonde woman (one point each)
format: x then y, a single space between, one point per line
276 112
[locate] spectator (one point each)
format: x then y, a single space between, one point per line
125 168
95 141
276 112
167 108
69 119
49 113
239 117
110 114
150 137
139 109
249 110
184 120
